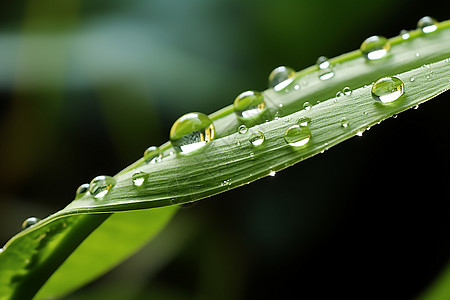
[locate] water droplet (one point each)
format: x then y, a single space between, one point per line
307 106
415 106
152 154
303 121
325 70
296 87
360 132
257 138
249 104
387 89
405 34
339 94
281 77
297 135
412 79
344 122
30 222
427 24
347 91
375 47
272 173
417 54
81 190
191 132
139 178
101 185
242 129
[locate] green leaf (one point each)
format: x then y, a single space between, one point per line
230 160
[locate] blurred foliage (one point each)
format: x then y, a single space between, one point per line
86 86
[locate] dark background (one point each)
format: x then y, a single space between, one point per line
86 86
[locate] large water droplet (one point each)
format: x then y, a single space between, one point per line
257 138
139 178
325 70
81 190
101 185
30 222
297 135
347 91
375 47
152 154
249 104
427 24
191 132
387 89
281 77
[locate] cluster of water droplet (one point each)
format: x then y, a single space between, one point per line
193 131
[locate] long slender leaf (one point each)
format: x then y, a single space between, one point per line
231 160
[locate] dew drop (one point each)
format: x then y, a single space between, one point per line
191 132
412 79
257 138
29 222
281 77
325 70
249 104
101 185
139 178
339 94
405 34
417 54
81 190
387 89
152 154
307 106
297 135
347 91
272 173
360 132
427 24
375 47
242 129
344 122
416 107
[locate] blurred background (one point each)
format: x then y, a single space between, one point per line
87 85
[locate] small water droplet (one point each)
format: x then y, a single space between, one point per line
303 121
344 122
297 135
152 154
257 138
272 173
339 94
325 70
427 24
249 104
29 222
226 182
281 77
139 178
375 47
415 106
405 34
242 129
296 87
101 185
307 106
412 79
191 132
360 132
394 116
387 89
81 190
417 54
347 91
